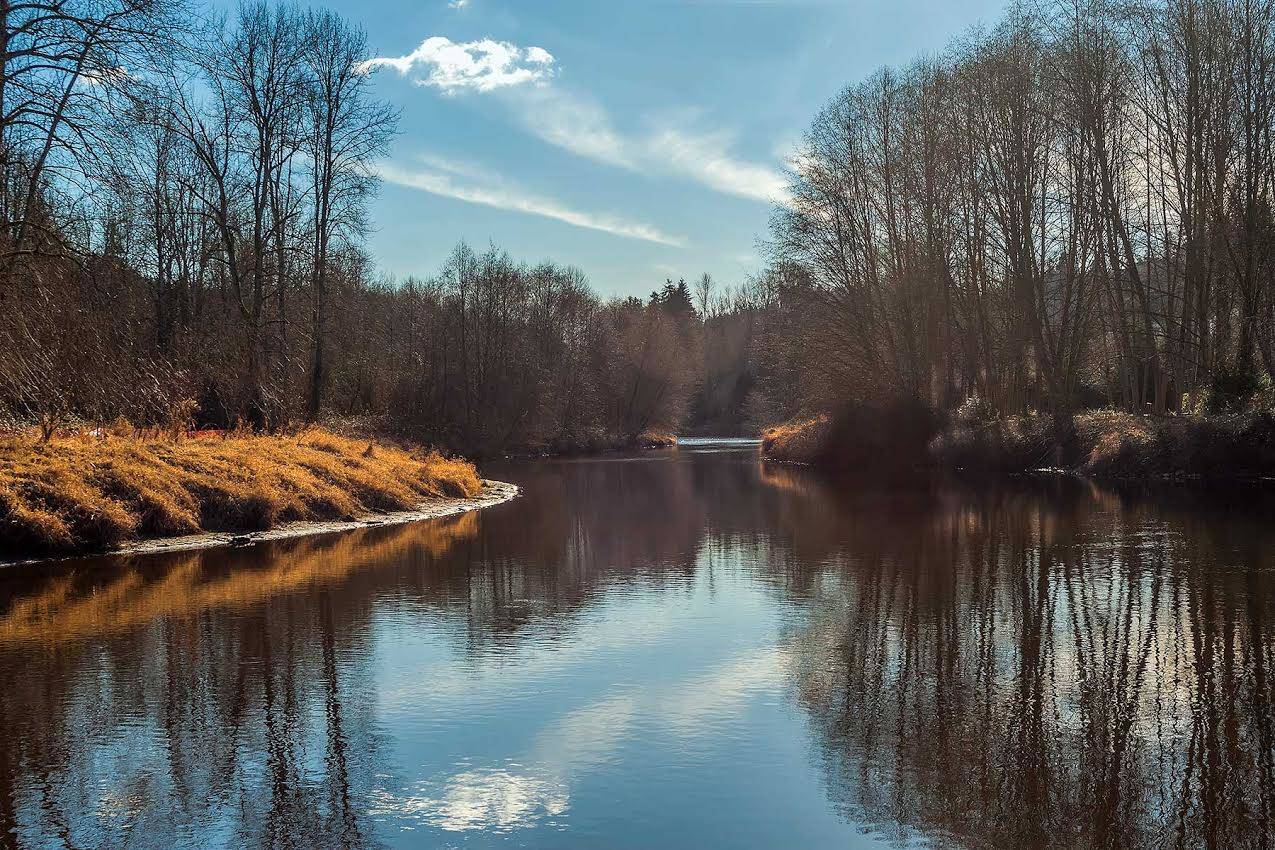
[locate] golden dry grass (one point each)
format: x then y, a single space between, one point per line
798 441
92 491
653 438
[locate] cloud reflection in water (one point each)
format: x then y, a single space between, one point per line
491 800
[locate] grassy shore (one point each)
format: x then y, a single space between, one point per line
97 490
798 441
1101 444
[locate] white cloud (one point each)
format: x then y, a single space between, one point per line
495 800
523 794
726 690
484 65
581 125
707 159
487 190
585 737
585 128
457 4
457 167
574 124
100 77
538 55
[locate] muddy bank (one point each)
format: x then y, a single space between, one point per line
1104 445
492 493
1108 445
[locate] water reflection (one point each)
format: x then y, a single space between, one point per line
1030 671
496 801
116 595
688 649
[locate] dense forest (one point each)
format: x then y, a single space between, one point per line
184 220
1069 209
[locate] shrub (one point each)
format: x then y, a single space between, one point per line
886 437
1115 445
1232 391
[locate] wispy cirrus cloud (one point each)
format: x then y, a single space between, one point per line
707 158
484 65
464 182
674 147
574 124
523 77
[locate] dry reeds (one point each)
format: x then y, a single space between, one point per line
1114 445
653 438
798 441
99 489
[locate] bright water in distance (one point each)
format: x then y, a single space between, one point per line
689 648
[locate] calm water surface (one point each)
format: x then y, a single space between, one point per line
687 649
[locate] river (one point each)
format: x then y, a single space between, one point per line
688 648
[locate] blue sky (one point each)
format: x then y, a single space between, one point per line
636 140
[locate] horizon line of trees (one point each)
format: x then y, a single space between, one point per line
1069 209
177 196
1072 208
183 214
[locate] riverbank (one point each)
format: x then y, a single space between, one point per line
99 491
593 443
1115 446
798 441
492 493
884 440
1100 444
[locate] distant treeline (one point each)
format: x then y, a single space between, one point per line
491 354
1070 209
182 219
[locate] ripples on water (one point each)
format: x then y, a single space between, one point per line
685 649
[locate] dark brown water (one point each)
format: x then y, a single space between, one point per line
689 649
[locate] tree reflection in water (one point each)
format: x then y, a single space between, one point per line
162 697
1039 664
1051 666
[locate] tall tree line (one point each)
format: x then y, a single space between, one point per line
178 199
184 212
1071 208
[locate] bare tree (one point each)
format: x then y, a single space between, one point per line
348 130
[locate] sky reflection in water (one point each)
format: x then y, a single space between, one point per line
685 649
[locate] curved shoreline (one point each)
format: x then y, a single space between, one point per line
493 493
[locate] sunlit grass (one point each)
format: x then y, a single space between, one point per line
655 438
799 441
100 489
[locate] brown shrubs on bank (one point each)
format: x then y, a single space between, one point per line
1101 444
798 441
654 439
884 438
98 490
1001 445
1114 445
